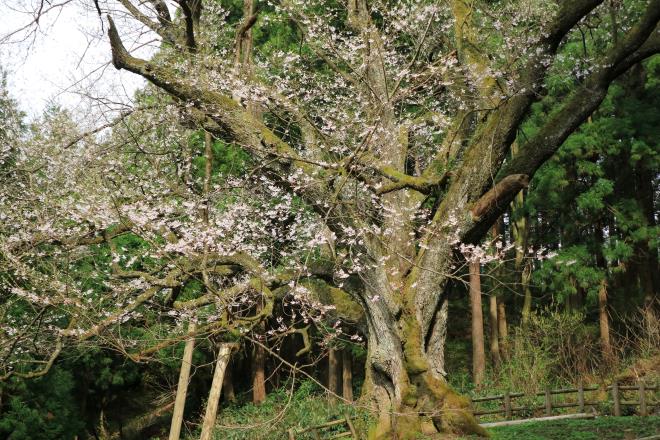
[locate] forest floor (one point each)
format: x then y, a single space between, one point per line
601 428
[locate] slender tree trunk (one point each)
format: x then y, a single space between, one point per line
520 232
478 353
525 278
347 375
604 322
214 395
494 333
182 387
333 371
503 329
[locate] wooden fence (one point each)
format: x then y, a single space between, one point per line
317 430
644 402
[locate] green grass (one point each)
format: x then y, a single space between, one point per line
602 428
308 406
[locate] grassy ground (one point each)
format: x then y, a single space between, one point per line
602 428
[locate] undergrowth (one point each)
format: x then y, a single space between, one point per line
307 406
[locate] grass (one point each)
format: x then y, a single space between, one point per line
308 406
602 428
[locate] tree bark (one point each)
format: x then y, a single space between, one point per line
214 395
182 387
604 321
347 374
228 385
494 333
503 329
478 351
525 277
258 375
333 371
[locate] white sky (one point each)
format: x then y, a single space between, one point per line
69 54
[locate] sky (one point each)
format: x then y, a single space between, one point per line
67 58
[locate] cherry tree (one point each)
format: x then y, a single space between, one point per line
382 130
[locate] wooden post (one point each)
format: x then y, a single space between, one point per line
317 436
292 436
507 405
214 395
182 387
581 397
616 398
642 399
548 402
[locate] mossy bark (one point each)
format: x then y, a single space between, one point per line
408 395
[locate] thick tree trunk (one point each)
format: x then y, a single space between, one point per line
182 387
214 395
478 351
494 333
347 375
409 397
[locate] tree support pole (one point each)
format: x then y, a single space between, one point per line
182 387
216 387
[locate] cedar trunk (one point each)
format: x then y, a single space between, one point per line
604 321
333 371
347 375
478 351
258 375
494 334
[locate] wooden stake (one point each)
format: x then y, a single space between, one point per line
581 397
182 387
214 395
507 405
642 399
616 398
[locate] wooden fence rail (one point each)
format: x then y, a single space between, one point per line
317 430
507 408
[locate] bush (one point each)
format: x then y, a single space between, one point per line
552 349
